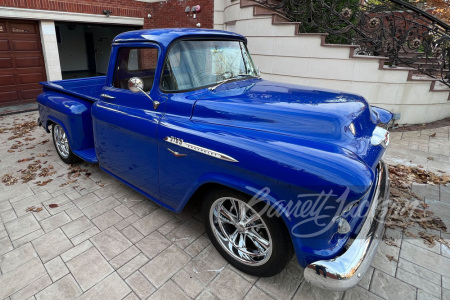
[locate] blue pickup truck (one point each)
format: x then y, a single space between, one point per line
280 169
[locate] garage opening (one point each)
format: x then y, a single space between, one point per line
84 49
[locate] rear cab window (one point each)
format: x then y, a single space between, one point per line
135 62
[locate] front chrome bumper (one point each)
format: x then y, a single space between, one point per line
345 271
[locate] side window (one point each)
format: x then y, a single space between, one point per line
136 62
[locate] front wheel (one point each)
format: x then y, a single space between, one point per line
62 146
244 235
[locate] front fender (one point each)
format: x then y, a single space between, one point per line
384 116
295 171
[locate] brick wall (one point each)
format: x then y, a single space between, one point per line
128 8
169 13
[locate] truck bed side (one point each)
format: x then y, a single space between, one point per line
68 103
84 88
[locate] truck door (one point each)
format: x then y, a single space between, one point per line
125 123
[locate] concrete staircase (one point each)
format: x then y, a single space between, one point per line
285 55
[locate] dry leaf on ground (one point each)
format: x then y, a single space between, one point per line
33 209
8 179
391 258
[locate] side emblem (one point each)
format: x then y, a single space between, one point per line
209 152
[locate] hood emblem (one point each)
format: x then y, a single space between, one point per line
209 152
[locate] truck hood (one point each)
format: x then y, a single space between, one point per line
303 112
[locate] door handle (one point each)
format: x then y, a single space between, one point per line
176 154
107 96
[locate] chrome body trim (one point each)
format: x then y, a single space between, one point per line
345 271
176 154
209 152
352 128
106 96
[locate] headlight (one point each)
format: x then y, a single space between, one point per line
380 136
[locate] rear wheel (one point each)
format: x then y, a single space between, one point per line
62 146
244 235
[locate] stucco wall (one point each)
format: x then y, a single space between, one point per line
302 59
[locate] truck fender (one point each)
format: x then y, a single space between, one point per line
71 113
258 193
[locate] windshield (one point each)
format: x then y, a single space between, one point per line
197 64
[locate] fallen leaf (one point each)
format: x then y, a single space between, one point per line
390 241
28 176
8 179
21 129
442 241
391 258
433 135
25 159
407 233
44 182
53 205
429 239
33 209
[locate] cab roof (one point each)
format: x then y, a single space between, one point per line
167 35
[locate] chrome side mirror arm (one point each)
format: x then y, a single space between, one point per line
135 84
155 103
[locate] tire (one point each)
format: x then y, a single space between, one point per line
62 146
265 245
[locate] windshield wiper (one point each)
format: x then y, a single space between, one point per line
221 82
248 75
230 79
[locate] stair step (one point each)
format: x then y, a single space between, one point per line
420 77
264 11
247 3
438 86
88 155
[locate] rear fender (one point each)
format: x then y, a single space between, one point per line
71 113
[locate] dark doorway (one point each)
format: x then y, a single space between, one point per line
84 49
90 49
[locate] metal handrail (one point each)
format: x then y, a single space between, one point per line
423 12
407 35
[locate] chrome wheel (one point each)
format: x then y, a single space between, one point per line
61 141
241 231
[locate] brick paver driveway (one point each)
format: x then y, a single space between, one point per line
104 241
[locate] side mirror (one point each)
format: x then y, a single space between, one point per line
136 84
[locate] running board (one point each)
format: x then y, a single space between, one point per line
88 155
